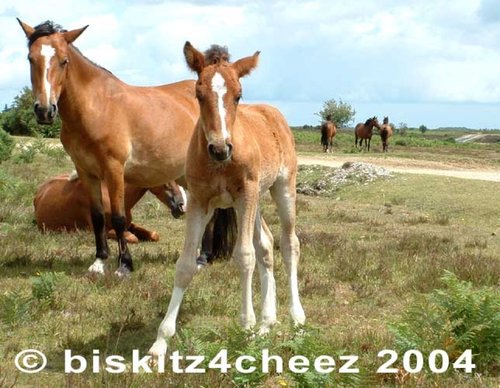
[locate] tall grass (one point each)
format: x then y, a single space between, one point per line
368 255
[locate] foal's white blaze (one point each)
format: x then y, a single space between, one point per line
219 87
47 52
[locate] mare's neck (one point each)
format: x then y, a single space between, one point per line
83 82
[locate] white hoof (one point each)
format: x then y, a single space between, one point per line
159 348
97 267
298 315
122 272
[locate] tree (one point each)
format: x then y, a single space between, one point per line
341 112
422 128
19 119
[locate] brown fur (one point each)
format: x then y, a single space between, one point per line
365 131
61 204
328 132
385 134
233 168
113 132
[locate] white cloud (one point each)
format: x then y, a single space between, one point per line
364 52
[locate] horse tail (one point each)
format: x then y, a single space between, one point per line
384 135
225 233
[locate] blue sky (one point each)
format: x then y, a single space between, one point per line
420 62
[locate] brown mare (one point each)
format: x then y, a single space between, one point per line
62 204
328 131
237 153
113 132
365 131
385 134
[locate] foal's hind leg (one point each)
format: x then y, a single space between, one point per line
283 193
263 243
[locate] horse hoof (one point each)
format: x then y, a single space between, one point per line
97 267
122 272
154 236
159 348
130 238
202 261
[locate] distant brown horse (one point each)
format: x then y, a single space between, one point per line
385 134
62 204
328 131
113 132
237 153
365 132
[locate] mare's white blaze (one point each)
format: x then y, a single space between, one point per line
47 52
219 87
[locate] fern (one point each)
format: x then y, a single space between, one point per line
455 318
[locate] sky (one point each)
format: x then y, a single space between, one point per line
428 62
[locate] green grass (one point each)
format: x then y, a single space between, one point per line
437 146
369 255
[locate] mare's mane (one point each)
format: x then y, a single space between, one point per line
48 28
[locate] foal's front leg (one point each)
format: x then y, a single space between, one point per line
185 268
244 252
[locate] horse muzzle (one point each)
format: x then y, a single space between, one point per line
220 153
45 114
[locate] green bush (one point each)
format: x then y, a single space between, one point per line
43 286
454 319
6 145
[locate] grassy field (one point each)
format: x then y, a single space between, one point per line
408 262
429 146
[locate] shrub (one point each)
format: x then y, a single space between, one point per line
453 319
6 145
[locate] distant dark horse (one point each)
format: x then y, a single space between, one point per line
365 131
385 134
328 131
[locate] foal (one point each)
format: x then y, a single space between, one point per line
237 153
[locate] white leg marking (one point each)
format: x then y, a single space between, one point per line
97 267
167 326
219 87
184 198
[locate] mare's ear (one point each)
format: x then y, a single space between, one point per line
245 65
28 30
71 36
194 59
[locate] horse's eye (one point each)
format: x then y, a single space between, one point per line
64 61
30 59
237 99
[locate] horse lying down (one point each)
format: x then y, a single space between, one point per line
61 204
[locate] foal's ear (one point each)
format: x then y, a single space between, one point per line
28 30
245 65
71 36
195 60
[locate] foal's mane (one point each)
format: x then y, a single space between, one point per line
367 122
48 28
217 54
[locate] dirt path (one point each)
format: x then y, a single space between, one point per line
406 166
